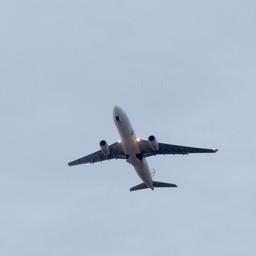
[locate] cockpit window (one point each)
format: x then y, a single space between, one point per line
117 118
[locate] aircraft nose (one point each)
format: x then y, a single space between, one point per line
116 110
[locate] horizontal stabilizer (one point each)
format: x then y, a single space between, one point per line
156 184
139 187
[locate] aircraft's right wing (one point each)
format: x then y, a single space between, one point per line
116 152
171 149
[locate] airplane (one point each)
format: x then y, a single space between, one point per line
135 151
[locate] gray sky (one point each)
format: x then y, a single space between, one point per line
182 70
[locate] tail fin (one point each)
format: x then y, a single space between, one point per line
156 184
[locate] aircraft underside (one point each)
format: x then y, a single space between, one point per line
135 151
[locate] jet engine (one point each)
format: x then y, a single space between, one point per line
104 147
153 143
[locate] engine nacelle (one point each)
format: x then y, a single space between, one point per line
104 147
153 143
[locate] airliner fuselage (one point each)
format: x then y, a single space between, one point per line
130 146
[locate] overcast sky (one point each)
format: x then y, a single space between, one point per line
184 71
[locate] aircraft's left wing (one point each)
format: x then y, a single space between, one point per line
165 149
116 152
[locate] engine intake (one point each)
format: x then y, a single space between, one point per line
153 143
104 147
